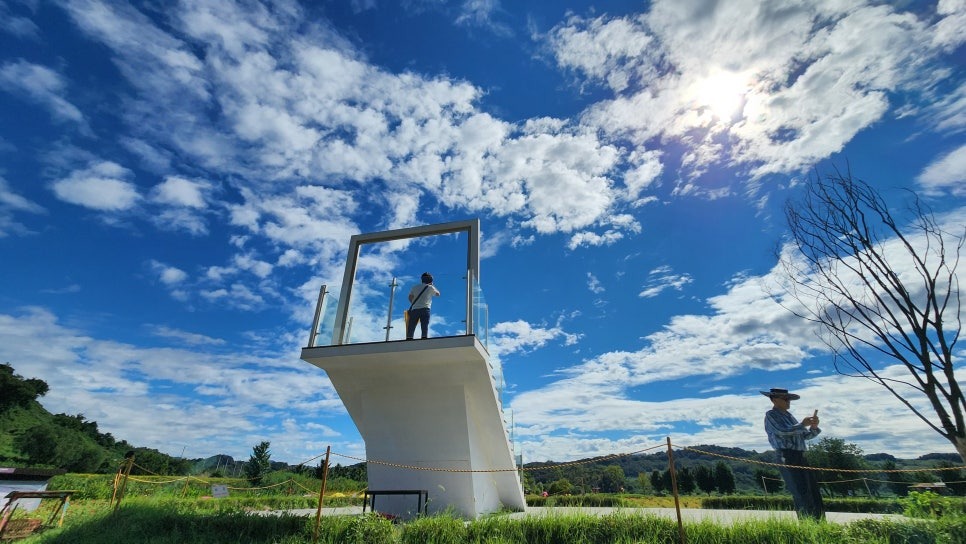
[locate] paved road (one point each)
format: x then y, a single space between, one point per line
687 514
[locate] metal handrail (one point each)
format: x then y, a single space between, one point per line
318 316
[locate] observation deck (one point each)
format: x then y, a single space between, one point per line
433 403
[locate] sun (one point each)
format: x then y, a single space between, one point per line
721 94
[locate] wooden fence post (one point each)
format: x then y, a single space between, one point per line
674 488
318 513
119 492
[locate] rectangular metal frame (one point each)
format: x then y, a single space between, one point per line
471 227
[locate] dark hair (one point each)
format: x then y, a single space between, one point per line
427 277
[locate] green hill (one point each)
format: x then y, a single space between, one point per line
32 436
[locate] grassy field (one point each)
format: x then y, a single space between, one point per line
160 510
164 521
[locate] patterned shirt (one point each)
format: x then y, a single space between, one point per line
785 432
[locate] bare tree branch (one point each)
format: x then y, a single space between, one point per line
884 290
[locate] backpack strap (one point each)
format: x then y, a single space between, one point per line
418 296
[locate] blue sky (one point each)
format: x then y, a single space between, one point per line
177 179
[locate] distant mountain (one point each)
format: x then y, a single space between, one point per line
880 457
951 457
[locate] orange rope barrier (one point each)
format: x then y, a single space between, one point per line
515 469
857 470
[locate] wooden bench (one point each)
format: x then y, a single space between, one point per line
369 498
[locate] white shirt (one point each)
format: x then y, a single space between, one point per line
426 300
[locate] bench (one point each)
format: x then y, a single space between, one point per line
369 498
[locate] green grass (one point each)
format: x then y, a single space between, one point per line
171 522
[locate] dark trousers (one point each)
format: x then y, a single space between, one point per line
802 484
421 315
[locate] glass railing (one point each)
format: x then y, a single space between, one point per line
481 314
323 326
376 312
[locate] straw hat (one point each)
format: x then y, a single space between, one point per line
780 393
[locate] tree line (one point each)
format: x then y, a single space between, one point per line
849 473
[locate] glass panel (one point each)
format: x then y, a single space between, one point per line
366 319
330 303
481 317
508 422
380 295
370 306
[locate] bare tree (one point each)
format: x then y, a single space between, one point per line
883 291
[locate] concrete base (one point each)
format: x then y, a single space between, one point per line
429 414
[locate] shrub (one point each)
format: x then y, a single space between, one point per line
87 486
784 502
927 504
874 530
593 500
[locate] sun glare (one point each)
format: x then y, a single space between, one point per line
721 94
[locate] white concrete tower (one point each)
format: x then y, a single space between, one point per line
424 404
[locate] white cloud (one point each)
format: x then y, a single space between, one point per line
168 275
183 203
152 59
519 336
309 216
947 173
178 191
587 238
290 258
522 241
181 219
948 31
257 267
101 186
616 51
594 284
491 243
190 338
747 331
97 378
482 13
803 85
237 295
662 278
41 85
588 415
153 158
16 25
948 113
292 110
645 169
72 288
11 203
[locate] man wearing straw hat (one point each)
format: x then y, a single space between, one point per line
788 437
